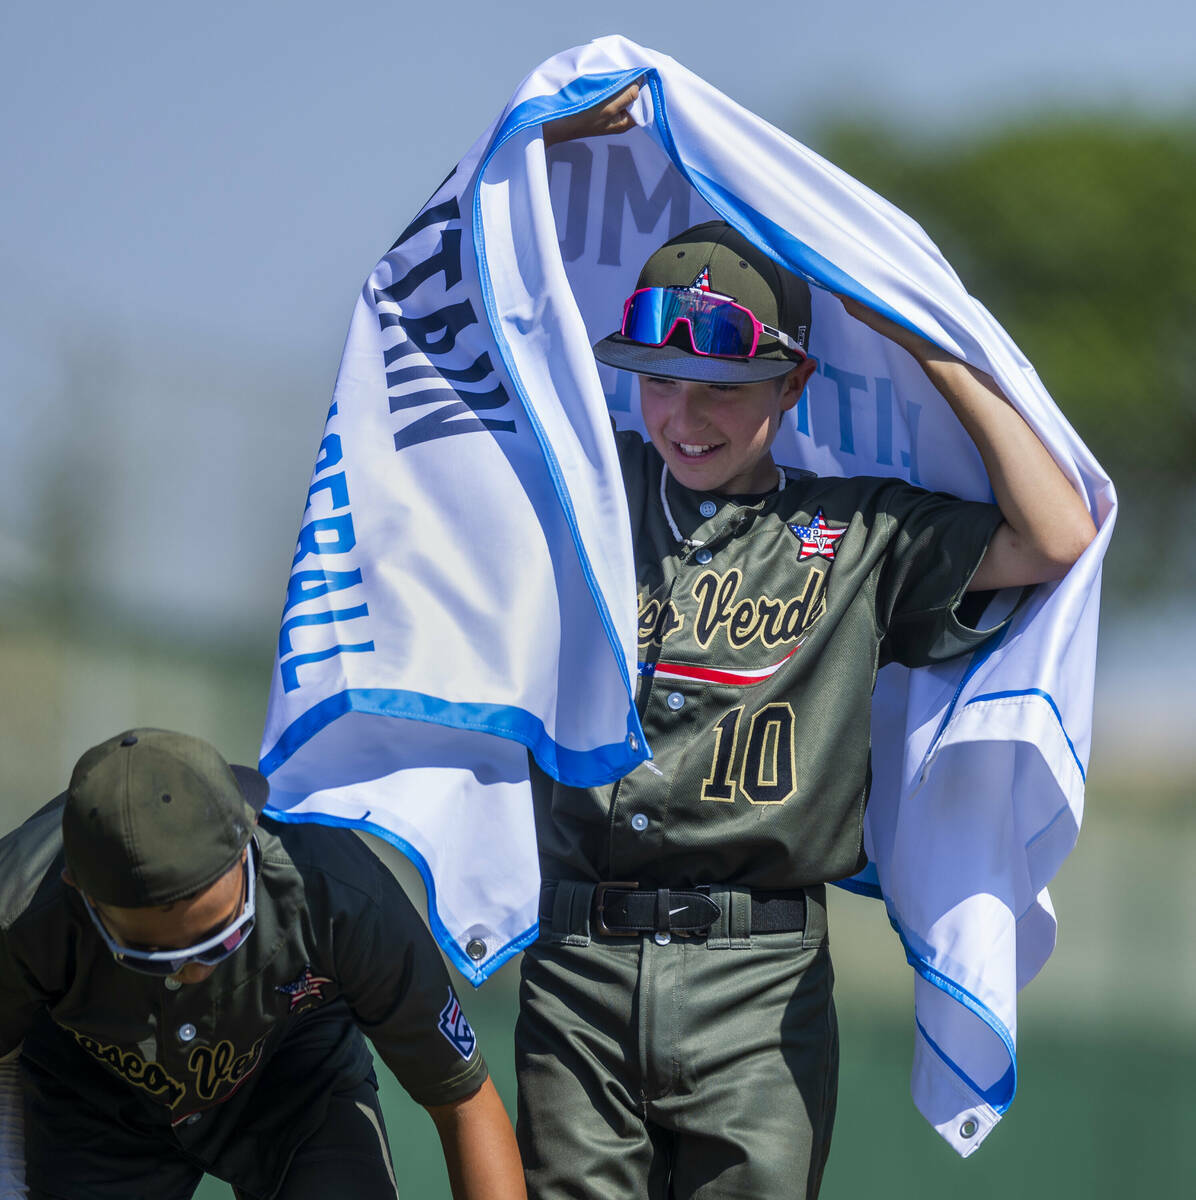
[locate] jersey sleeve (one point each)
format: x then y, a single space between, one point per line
19 997
936 545
395 982
35 944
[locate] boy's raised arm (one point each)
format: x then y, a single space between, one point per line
1047 525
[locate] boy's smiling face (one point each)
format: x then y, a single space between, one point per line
718 437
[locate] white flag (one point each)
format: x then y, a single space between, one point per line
465 561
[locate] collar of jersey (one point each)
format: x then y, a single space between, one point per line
686 508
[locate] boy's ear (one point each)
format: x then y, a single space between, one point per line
793 384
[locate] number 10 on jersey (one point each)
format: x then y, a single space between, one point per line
765 769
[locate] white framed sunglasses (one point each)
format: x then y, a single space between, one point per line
209 952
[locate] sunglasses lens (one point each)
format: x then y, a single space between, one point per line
156 967
209 958
232 942
648 313
716 326
723 329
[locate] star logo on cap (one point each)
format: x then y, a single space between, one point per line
816 538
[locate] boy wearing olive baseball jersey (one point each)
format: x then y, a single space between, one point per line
677 1035
189 989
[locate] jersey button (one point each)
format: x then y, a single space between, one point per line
639 822
708 508
675 701
186 1032
172 984
193 1118
703 556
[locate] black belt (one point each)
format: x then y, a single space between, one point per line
626 909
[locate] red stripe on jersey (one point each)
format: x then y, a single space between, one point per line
719 675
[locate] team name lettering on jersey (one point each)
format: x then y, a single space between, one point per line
214 1065
774 622
150 1077
657 620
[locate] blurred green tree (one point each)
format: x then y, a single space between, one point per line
1078 232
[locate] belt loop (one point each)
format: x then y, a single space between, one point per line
571 912
814 933
718 938
732 929
739 918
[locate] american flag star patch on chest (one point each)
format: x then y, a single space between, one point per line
816 538
307 986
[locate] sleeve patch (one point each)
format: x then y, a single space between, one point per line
455 1027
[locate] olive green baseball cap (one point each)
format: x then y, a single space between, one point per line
717 258
153 816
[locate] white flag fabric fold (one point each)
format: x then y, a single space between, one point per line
464 563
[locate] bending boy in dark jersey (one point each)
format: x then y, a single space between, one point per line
187 988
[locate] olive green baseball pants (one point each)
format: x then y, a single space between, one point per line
701 1068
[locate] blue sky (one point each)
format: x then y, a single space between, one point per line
194 194
215 144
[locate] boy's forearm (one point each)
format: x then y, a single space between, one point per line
479 1147
1047 524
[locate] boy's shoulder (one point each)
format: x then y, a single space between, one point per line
334 865
845 493
636 452
31 864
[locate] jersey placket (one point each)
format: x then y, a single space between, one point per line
638 832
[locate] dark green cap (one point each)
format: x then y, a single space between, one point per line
153 816
725 262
